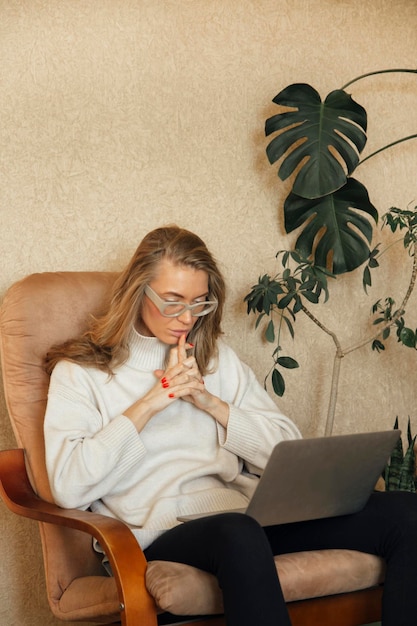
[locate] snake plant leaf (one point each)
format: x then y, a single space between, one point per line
322 140
335 234
393 468
411 440
407 473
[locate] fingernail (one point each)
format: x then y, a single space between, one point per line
191 344
163 380
171 395
165 385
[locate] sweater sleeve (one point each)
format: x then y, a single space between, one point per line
255 423
87 454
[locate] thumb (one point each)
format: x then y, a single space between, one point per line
158 373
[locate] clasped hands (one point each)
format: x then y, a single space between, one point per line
182 378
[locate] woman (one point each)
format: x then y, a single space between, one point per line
152 416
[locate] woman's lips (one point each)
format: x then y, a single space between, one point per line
179 333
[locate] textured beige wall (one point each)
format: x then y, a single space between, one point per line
117 116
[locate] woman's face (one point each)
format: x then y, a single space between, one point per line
172 283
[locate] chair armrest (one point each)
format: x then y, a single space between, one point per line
125 555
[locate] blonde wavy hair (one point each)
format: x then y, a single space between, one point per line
105 344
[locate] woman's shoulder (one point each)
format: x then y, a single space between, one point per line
228 357
225 350
70 373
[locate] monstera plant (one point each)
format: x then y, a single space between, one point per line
318 146
322 142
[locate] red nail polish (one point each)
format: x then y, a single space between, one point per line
191 344
163 380
165 385
171 395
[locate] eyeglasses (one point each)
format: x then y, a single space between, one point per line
175 309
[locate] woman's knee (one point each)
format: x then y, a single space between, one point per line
398 506
237 524
234 531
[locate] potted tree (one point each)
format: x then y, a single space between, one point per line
319 143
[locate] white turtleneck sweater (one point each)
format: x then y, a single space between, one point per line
182 462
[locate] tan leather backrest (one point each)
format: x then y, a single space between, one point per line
38 312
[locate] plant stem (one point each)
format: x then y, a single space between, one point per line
339 354
324 328
331 410
386 148
398 70
393 243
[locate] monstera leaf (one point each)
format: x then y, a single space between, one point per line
323 140
335 234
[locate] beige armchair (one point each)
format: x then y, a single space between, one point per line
321 588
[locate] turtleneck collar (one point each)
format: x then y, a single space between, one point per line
146 353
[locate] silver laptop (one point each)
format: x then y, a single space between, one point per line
308 479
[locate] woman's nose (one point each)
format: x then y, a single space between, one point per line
186 317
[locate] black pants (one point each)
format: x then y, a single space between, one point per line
240 553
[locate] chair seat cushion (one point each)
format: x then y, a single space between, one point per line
327 572
184 590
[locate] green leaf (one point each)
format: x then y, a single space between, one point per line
400 470
298 305
285 258
285 300
335 234
289 325
400 323
386 333
270 332
263 296
324 138
408 337
253 300
366 281
259 318
311 296
379 320
378 346
278 383
410 438
376 306
287 362
406 478
392 477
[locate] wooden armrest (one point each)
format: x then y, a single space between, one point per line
125 555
